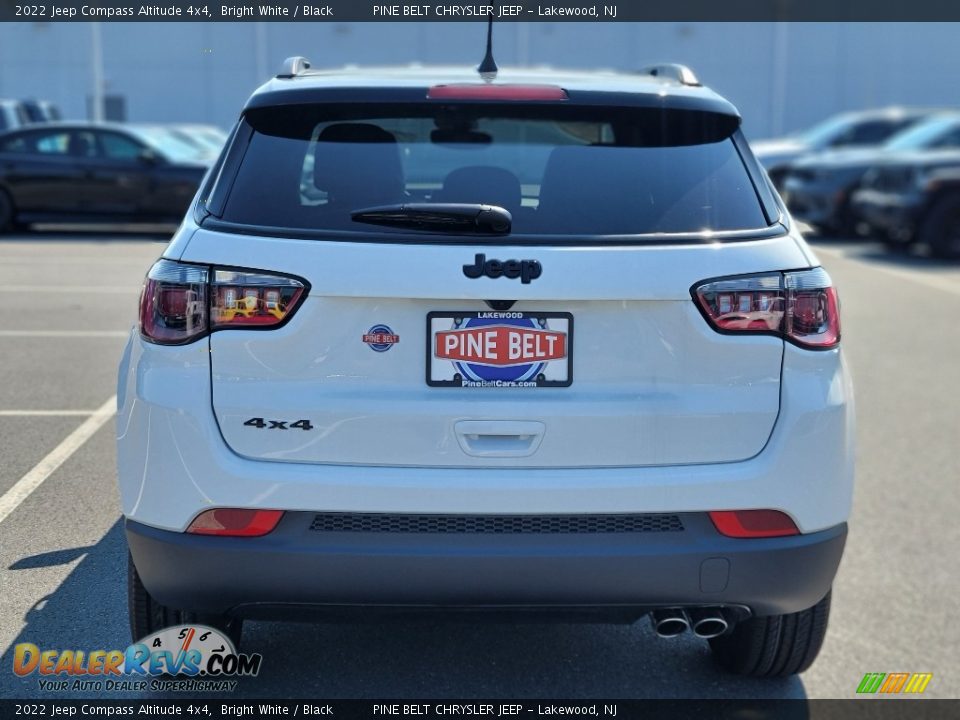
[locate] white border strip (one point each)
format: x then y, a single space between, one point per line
22 489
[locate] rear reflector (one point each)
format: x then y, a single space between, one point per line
487 91
753 523
235 522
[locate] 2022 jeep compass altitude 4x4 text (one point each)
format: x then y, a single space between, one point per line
547 343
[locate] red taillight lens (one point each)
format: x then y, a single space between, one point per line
801 307
753 523
242 298
490 91
173 303
181 302
235 522
813 309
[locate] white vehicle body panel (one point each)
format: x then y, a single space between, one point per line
653 384
174 462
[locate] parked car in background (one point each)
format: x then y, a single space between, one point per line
855 129
817 188
85 172
208 136
12 115
41 111
914 199
175 142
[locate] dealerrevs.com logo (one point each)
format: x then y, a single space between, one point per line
185 658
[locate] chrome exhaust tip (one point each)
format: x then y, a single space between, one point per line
669 622
707 623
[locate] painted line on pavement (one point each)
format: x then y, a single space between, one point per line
22 489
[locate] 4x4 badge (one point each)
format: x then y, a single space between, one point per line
526 270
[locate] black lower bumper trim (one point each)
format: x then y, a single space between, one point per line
295 568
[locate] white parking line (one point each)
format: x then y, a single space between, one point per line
937 282
46 413
63 333
21 490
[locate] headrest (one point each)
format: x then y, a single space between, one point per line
482 184
358 165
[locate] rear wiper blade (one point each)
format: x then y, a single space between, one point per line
439 217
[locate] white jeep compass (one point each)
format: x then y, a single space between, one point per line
546 343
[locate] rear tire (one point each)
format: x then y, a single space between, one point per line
774 646
941 229
7 212
147 616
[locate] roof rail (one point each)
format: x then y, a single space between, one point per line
674 71
294 66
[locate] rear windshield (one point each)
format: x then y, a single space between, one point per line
557 170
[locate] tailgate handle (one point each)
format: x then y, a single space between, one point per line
499 438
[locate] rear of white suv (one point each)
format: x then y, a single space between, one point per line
546 344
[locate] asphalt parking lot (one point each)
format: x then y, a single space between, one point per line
69 301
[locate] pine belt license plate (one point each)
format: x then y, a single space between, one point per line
499 349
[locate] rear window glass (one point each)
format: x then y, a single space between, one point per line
557 170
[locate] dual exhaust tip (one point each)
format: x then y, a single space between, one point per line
704 622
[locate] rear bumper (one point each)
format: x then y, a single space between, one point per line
296 568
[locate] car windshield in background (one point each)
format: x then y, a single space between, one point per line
936 132
850 130
558 171
170 146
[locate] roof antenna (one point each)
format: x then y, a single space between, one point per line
488 67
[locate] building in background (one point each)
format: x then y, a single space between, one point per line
782 76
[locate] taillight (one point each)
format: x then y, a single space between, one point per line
800 306
235 522
753 523
241 298
182 302
173 304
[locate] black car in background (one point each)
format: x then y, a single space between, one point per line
914 200
818 187
86 172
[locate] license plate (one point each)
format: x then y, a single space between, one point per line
499 349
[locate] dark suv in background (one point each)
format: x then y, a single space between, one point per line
914 200
818 188
848 130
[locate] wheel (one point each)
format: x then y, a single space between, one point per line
7 212
147 616
843 223
774 646
941 229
